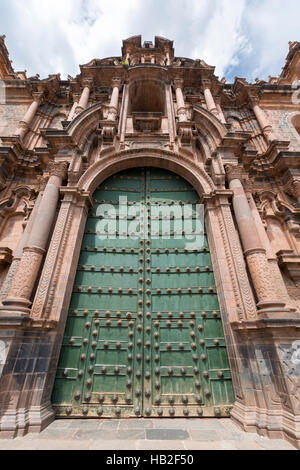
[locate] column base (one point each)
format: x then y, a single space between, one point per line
14 316
271 305
274 424
18 423
275 311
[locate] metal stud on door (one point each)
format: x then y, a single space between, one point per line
190 373
144 335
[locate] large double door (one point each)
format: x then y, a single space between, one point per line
144 334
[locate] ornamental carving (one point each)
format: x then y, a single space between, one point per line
116 83
108 132
42 181
88 83
8 280
178 83
52 264
185 134
260 274
237 266
177 132
58 169
234 172
293 189
280 287
24 279
289 356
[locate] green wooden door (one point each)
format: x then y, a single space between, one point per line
144 335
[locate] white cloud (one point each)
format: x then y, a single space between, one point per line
223 38
50 36
271 24
57 35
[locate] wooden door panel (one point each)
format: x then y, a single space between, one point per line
144 335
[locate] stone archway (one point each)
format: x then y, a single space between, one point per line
157 346
234 292
52 297
177 163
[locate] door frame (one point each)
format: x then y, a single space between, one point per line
219 410
53 295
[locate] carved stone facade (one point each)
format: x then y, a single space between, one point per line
235 143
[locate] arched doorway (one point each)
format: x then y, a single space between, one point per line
144 334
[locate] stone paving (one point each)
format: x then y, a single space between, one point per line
150 434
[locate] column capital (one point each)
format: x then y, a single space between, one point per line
234 172
58 169
87 83
254 100
178 83
206 82
116 83
38 96
76 97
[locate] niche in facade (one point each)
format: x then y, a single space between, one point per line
147 105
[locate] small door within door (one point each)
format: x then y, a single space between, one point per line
144 335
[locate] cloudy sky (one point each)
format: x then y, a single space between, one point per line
246 38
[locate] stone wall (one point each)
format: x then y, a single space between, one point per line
10 115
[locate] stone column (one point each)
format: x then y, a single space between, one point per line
181 109
210 102
271 256
114 101
262 120
254 250
84 99
76 99
19 251
29 115
220 111
19 294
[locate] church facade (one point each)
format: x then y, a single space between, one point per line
104 312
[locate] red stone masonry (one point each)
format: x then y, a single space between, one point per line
237 143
